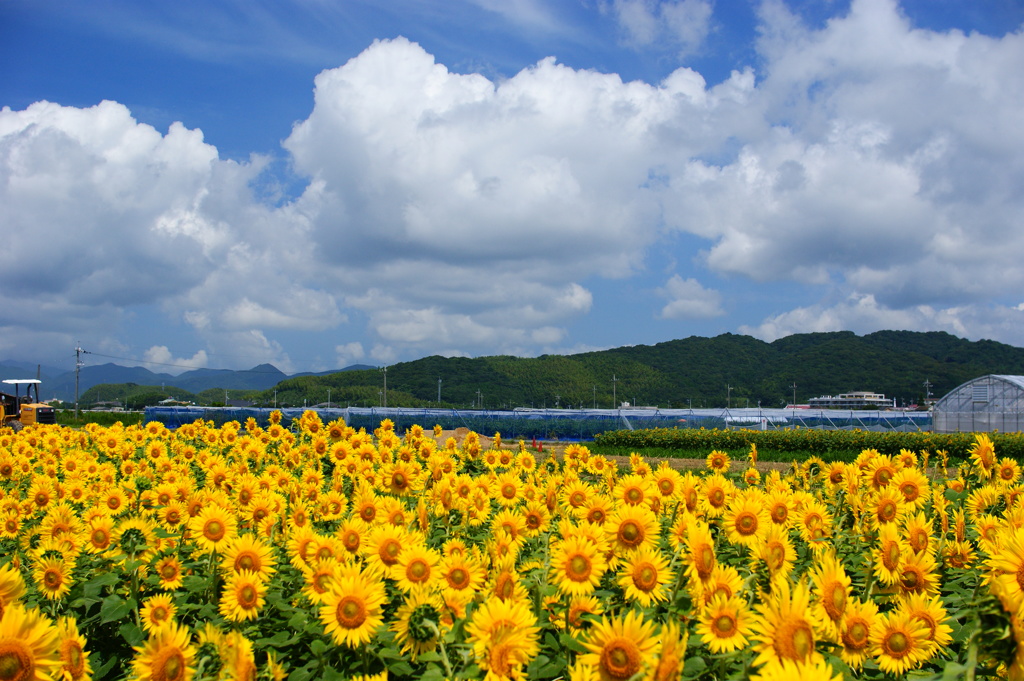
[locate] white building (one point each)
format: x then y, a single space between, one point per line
854 400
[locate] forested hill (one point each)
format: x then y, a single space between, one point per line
692 371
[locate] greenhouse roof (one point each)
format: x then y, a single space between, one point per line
1016 380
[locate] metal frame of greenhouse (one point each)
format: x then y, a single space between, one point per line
988 403
566 424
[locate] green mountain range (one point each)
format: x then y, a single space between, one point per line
725 370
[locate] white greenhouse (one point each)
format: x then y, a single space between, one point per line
983 404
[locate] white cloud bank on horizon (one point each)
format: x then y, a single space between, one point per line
878 163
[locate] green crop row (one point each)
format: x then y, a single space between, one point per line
819 442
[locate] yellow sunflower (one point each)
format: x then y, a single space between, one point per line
243 596
596 509
99 534
633 489
53 578
248 552
631 527
958 555
929 611
779 504
461 573
29 645
213 529
352 610
689 491
351 535
884 507
855 631
831 587
510 521
815 523
74 658
670 653
917 531
579 608
504 637
537 517
644 575
724 624
880 471
320 577
114 502
668 482
508 488
983 454
787 628
157 611
12 586
745 520
1008 471
1007 564
700 554
620 647
417 568
914 486
777 552
716 491
577 565
576 492
168 570
899 642
887 555
504 581
167 655
918 574
719 461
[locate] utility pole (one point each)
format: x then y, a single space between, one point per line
438 390
385 370
794 393
615 402
480 399
78 369
927 390
728 396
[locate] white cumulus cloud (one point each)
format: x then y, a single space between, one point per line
688 299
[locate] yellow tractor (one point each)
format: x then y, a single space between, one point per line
18 411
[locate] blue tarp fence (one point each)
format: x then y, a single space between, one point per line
563 424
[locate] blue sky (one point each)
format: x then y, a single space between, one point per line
316 183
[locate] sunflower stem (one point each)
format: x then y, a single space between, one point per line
972 656
213 576
135 596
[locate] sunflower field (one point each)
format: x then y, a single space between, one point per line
317 551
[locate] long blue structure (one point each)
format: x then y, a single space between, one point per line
564 424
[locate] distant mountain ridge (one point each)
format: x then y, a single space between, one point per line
60 384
